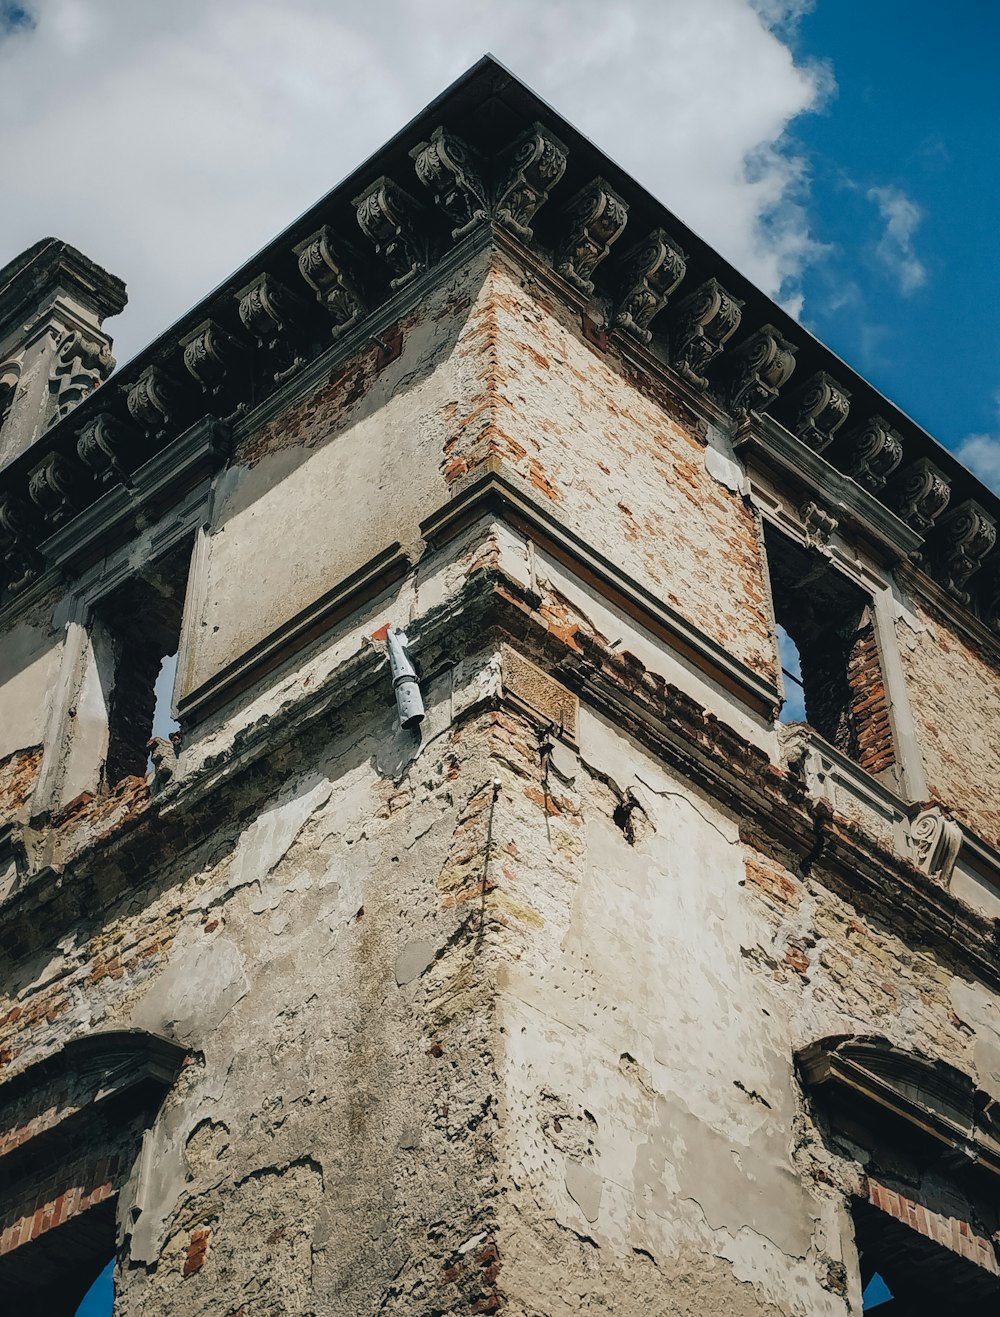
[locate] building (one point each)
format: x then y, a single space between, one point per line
597 987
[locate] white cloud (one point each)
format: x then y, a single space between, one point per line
895 248
171 141
981 454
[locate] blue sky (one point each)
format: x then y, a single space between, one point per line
841 154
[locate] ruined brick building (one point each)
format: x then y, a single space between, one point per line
602 987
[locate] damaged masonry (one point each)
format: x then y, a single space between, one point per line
487 939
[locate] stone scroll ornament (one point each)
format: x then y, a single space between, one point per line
648 274
153 400
936 841
920 493
759 367
104 444
327 265
872 451
820 408
962 540
210 354
267 310
55 487
393 221
529 171
704 321
451 171
19 564
591 223
81 364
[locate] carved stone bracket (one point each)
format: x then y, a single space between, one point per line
704 321
328 268
819 524
593 221
19 564
961 542
452 172
81 364
102 445
393 221
872 451
54 486
648 274
919 494
529 171
153 400
268 310
820 409
211 354
936 841
760 366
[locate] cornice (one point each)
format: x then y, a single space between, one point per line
486 162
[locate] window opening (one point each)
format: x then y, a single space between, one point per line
829 653
142 621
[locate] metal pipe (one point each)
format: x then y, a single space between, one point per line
409 702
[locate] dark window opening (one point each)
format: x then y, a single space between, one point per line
829 654
55 1273
143 622
6 401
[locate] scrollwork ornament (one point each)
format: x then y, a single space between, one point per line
820 408
919 494
936 842
81 364
961 542
450 170
210 353
759 367
393 221
592 222
872 451
152 400
649 273
54 486
529 171
102 444
704 321
327 265
19 563
266 310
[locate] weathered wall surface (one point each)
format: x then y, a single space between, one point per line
29 660
620 464
955 697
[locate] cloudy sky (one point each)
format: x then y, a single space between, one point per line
841 153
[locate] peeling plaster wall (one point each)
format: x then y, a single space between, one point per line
29 662
955 697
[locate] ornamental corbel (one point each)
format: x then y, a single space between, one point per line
960 543
872 452
451 170
819 524
54 486
529 170
19 563
153 400
703 322
81 363
592 221
759 367
649 273
936 842
102 444
393 221
210 353
919 494
267 310
819 409
327 267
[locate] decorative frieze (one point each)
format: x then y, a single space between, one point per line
648 274
960 543
211 354
452 172
919 494
81 363
819 409
705 320
153 400
102 445
529 171
393 221
591 222
872 451
759 367
936 841
329 269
